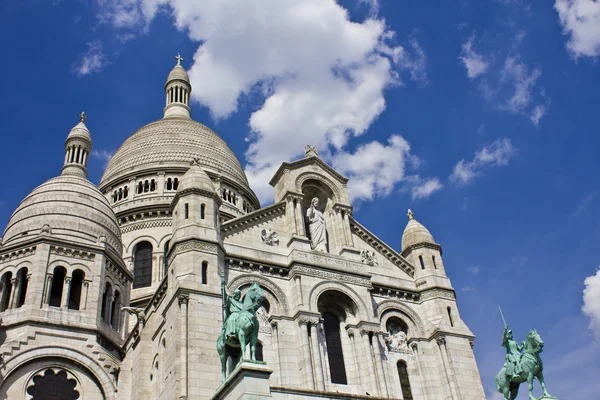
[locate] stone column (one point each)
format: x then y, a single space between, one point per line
378 363
132 188
275 338
346 221
308 370
65 293
290 211
298 285
359 357
299 218
161 183
86 288
14 282
46 297
415 348
317 356
347 354
441 341
108 311
183 305
369 360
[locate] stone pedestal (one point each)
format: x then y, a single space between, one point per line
249 381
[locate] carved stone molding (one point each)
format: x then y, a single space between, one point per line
72 253
163 223
252 219
441 340
395 293
275 290
437 293
328 275
183 299
305 320
14 255
323 259
251 266
433 246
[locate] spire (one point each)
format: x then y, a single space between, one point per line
177 92
77 149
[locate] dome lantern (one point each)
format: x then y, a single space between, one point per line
177 92
77 149
415 233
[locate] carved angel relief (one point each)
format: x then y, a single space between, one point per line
368 257
269 237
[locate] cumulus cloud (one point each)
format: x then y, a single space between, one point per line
102 155
494 154
474 62
523 81
321 76
580 20
375 168
426 188
92 60
591 302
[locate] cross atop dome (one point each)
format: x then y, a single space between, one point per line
410 214
179 59
82 117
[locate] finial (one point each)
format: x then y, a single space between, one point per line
179 59
310 151
410 214
195 161
82 117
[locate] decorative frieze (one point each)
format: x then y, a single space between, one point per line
252 266
15 255
438 293
162 223
72 253
328 275
311 258
395 293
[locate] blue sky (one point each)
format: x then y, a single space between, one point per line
479 115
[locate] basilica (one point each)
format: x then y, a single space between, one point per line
116 290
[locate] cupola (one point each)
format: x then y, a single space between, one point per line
77 149
177 92
415 233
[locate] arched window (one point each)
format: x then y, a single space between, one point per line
202 210
186 210
259 352
146 186
75 293
120 194
152 185
175 183
22 293
6 290
169 184
224 194
140 187
404 381
165 252
450 316
125 192
204 272
337 368
421 261
58 282
142 265
105 296
115 311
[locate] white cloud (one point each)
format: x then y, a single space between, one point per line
580 20
591 302
497 153
523 81
475 63
473 270
538 112
322 75
93 60
102 155
426 188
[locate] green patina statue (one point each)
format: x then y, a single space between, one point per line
240 325
520 367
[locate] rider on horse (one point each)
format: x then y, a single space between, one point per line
233 306
513 354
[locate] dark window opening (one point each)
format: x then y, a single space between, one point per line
6 290
175 183
107 290
259 352
421 261
186 210
202 210
125 192
335 355
152 185
169 184
142 265
140 187
58 281
22 293
204 272
120 194
75 293
146 186
450 316
115 311
404 381
434 264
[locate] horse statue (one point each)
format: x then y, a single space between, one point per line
240 325
522 367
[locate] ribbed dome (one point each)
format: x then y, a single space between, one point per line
72 207
178 72
80 131
196 178
415 233
173 142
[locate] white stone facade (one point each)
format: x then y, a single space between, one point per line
359 320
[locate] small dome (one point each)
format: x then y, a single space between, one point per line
178 73
196 178
66 207
80 131
415 233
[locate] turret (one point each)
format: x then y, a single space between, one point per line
177 92
78 147
419 247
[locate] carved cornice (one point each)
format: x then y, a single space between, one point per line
433 246
122 275
191 245
234 225
382 248
15 255
329 275
162 223
437 293
72 253
395 293
253 266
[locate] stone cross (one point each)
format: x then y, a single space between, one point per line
179 59
82 117
310 151
410 214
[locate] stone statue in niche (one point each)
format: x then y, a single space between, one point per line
397 341
269 237
368 257
316 226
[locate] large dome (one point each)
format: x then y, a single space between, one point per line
173 142
68 207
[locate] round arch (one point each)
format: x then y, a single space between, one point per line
307 176
318 289
274 294
144 238
82 361
394 308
